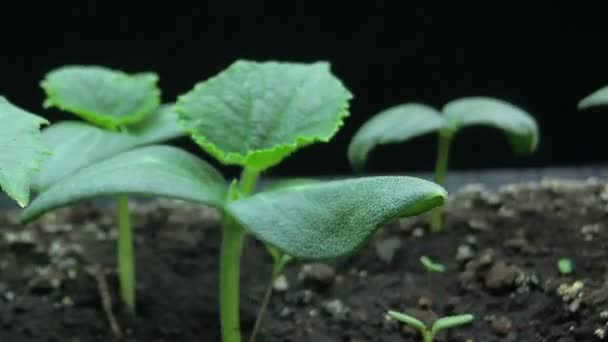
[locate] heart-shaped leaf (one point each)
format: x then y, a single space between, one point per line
394 125
519 126
331 219
147 171
256 114
76 144
597 98
105 97
21 151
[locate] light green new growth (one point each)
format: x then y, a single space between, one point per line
429 335
431 265
597 98
21 150
408 121
255 115
565 266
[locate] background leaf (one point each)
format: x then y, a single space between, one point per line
147 171
597 98
394 125
256 114
21 151
76 144
105 97
519 126
331 219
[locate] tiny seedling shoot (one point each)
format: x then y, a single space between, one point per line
564 266
407 121
597 98
254 115
125 113
428 335
21 150
431 266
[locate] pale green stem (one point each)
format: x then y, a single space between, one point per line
230 258
428 336
126 263
441 168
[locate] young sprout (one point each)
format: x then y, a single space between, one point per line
431 266
21 150
407 121
439 325
126 112
597 98
255 115
564 266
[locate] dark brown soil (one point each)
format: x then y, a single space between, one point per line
500 251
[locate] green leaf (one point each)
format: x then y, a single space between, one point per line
256 114
76 144
147 171
21 151
597 98
451 322
407 319
394 125
330 219
519 127
564 266
105 97
431 265
289 182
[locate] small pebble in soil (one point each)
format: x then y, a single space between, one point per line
502 325
280 284
464 253
572 294
318 273
502 277
387 248
336 309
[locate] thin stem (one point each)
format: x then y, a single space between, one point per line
232 244
230 258
441 167
126 263
262 311
428 336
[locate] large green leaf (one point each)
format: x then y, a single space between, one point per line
334 218
147 171
519 126
396 124
597 98
21 151
76 144
105 97
256 114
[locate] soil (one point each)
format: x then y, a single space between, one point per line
500 251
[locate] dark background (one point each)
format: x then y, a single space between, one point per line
542 56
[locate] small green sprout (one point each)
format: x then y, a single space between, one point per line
126 113
21 150
564 266
254 115
443 323
597 98
431 266
407 121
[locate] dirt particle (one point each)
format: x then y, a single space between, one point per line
387 248
502 277
318 273
464 253
502 325
336 309
280 284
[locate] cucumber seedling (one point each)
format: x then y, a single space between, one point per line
254 115
597 98
21 150
407 121
123 112
428 335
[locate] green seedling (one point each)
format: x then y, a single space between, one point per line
125 113
431 266
255 115
564 266
21 150
407 121
428 335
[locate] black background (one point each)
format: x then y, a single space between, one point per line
542 56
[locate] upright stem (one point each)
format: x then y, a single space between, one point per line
232 244
441 167
126 263
230 258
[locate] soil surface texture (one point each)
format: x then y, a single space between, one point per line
500 249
